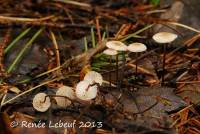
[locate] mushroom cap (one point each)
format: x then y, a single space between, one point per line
94 77
110 51
164 37
116 45
64 91
39 104
137 47
85 93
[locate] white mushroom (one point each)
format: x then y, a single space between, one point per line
110 52
64 91
41 103
86 92
164 37
94 77
136 48
116 45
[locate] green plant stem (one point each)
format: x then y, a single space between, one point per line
16 40
103 36
17 59
85 44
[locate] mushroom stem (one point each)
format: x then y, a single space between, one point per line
136 68
163 68
123 67
110 70
117 71
45 98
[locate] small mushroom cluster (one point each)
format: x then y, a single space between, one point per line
113 47
85 90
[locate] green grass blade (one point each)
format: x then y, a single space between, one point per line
136 33
103 36
155 2
16 40
86 44
17 59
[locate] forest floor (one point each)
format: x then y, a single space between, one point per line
46 45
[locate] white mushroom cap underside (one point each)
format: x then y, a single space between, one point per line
137 47
85 93
64 91
164 37
110 51
39 104
116 45
93 77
